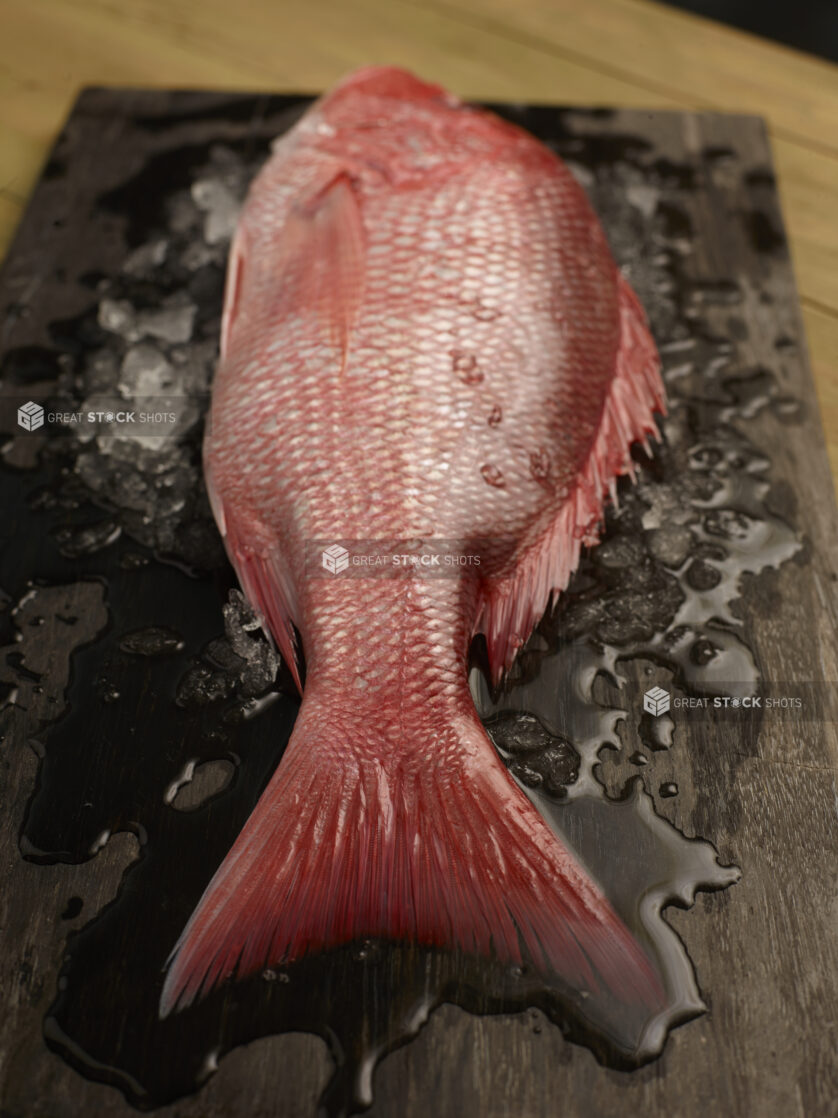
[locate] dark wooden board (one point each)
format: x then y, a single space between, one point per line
765 951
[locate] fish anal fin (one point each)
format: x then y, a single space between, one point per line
512 606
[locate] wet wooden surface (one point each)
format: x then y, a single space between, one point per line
765 951
603 52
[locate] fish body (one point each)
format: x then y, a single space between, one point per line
424 338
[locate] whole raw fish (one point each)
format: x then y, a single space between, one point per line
425 337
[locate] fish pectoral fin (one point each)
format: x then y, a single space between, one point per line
322 258
233 286
513 606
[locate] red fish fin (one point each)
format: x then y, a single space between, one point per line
261 575
343 847
513 606
323 260
233 286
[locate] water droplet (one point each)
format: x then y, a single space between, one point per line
198 783
366 950
540 465
100 841
786 407
638 758
702 576
702 652
493 475
72 909
465 366
729 524
704 457
209 1067
669 789
485 314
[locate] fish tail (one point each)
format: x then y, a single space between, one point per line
351 844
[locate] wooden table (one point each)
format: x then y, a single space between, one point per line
606 52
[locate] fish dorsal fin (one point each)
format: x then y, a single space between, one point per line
512 606
322 259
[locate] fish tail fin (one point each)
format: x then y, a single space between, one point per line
349 844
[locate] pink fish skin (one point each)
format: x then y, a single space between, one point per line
424 336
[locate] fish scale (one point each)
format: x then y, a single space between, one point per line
424 337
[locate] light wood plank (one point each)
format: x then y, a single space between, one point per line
663 49
808 184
